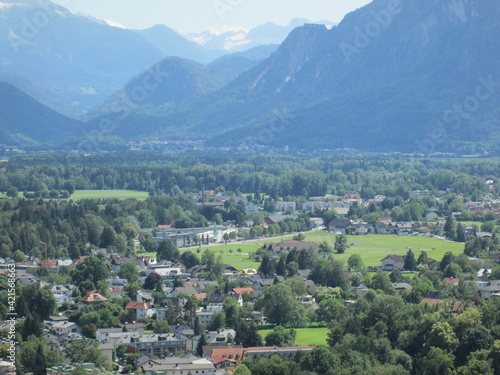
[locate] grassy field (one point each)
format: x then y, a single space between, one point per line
372 248
306 336
102 194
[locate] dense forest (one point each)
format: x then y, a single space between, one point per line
273 175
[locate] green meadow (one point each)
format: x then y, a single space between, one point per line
306 336
102 194
372 248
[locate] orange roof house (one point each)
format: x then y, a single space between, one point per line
90 299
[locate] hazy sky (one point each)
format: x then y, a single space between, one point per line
197 15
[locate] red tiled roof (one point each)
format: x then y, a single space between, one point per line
450 280
201 296
243 290
93 297
219 355
138 305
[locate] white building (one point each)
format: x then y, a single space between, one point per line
285 206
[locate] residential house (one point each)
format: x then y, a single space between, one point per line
275 219
352 199
252 207
492 290
377 200
400 288
61 294
316 222
103 335
230 270
157 344
401 228
188 290
117 262
91 299
108 351
316 205
226 358
216 301
230 357
176 366
360 228
285 206
50 264
239 293
116 282
339 225
133 327
221 338
65 328
142 310
393 262
259 318
117 292
63 263
205 316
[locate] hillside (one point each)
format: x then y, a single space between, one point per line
80 59
339 89
21 115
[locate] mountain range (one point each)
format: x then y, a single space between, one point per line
240 39
79 59
23 120
407 75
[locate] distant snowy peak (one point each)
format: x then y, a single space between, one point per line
235 39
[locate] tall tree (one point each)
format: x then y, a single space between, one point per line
167 251
341 244
410 263
450 228
282 308
108 237
201 343
129 271
423 258
281 337
461 236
